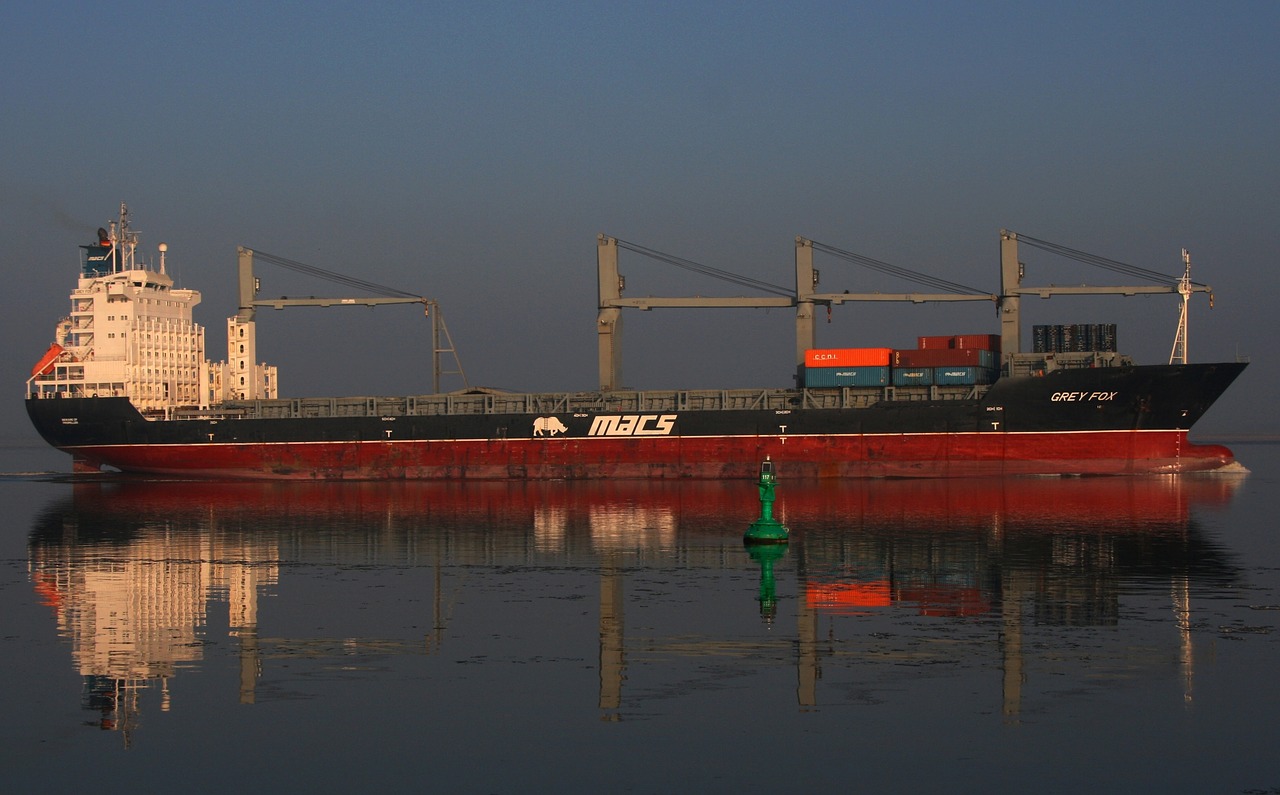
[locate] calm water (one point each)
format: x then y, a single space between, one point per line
1025 635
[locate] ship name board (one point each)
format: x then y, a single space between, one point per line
632 425
1072 397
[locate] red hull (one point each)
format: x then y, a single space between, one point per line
916 505
826 456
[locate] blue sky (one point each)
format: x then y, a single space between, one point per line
473 151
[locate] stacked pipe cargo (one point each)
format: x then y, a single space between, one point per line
1105 337
1082 338
1040 339
1074 337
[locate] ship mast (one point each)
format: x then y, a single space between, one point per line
1179 353
124 240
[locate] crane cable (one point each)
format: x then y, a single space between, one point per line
1102 262
707 270
894 270
332 276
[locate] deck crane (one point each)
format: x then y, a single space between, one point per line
805 297
1012 270
241 334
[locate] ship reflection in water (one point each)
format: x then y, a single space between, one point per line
908 573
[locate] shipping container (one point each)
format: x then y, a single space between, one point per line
933 343
848 357
946 357
988 342
952 376
846 376
913 376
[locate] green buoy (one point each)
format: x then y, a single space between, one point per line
766 529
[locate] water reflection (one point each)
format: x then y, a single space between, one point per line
132 570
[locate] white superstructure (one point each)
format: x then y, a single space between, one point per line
130 334
240 377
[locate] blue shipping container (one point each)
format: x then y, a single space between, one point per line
950 376
846 376
914 376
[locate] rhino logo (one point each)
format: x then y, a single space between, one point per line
544 426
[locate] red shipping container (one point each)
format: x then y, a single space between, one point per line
986 342
933 343
943 357
848 357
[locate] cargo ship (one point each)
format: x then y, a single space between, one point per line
126 386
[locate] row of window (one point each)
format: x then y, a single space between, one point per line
187 356
166 372
159 336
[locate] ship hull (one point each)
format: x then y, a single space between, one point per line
1104 421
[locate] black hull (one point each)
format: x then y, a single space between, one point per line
1103 420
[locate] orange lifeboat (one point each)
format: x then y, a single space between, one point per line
46 362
